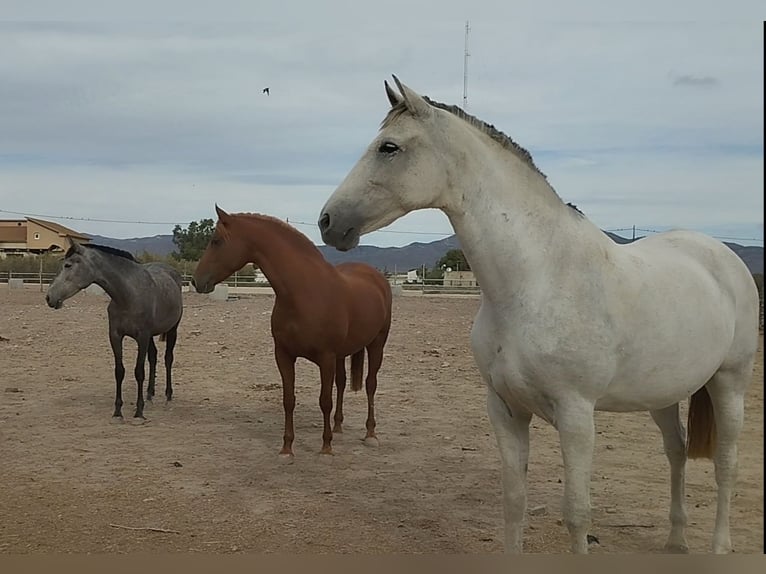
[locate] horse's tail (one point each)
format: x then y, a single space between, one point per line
700 432
357 364
163 336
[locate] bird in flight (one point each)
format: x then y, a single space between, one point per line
266 91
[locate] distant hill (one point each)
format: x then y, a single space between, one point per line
160 245
411 256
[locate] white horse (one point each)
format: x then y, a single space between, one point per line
570 322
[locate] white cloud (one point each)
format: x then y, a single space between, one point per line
155 111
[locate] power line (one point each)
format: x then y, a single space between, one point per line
306 223
402 231
70 218
97 220
715 236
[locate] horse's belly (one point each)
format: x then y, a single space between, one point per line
669 380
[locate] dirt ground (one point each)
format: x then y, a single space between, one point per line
206 466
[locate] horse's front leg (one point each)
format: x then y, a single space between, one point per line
512 434
286 365
170 342
575 424
143 348
115 340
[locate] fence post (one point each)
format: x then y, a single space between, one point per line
41 275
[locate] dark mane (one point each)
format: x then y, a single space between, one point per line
488 129
103 249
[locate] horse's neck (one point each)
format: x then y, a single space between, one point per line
514 229
279 253
112 275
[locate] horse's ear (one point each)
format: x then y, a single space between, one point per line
223 217
416 105
73 245
392 97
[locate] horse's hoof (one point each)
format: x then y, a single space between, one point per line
676 548
138 420
286 458
326 450
116 420
371 441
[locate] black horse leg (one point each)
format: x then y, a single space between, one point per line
170 340
115 339
152 369
143 348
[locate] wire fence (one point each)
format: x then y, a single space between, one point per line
245 281
242 283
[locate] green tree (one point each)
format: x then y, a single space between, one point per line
191 242
455 259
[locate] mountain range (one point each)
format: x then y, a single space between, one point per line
399 259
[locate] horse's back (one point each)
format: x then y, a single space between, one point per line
713 276
699 254
169 283
363 276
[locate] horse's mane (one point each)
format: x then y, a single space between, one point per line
503 139
297 236
103 249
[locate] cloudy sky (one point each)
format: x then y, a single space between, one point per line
153 111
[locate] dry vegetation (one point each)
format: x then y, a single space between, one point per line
205 468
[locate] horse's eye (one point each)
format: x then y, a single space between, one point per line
215 242
67 265
388 147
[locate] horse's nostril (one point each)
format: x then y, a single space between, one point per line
324 222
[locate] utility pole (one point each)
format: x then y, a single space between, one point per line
634 233
465 68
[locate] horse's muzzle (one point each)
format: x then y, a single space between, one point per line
336 234
205 286
55 304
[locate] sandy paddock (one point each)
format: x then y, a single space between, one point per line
206 468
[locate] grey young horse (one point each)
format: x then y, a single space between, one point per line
146 301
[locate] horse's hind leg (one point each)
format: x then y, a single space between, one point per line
674 441
170 343
327 375
152 369
340 383
727 393
375 360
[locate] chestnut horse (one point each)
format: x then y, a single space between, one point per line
322 312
